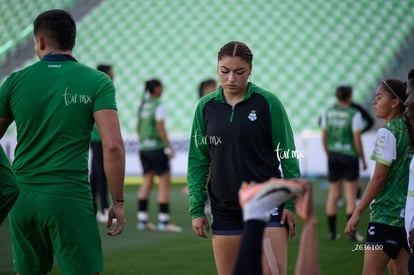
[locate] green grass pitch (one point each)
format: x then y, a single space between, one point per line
142 253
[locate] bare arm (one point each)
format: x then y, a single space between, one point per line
325 140
374 186
114 163
163 134
359 148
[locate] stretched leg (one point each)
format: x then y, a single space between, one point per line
334 193
307 261
275 251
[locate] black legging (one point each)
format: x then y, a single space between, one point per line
98 178
249 258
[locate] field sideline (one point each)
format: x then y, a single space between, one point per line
184 253
136 180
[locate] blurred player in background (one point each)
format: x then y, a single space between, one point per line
98 179
9 189
206 86
54 104
155 152
368 124
386 191
238 132
409 206
341 136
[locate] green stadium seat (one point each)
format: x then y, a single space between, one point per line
17 17
303 49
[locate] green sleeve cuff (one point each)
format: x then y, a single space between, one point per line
380 160
197 215
290 205
197 196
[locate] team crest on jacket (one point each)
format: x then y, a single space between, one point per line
252 116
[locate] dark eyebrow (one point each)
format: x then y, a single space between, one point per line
238 69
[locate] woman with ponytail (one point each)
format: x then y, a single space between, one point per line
155 151
386 192
240 133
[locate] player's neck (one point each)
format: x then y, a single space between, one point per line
392 116
344 103
55 52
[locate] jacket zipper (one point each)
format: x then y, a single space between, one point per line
232 113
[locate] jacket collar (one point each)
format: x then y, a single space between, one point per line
250 87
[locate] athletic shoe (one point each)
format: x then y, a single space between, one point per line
259 200
356 237
333 236
169 227
145 226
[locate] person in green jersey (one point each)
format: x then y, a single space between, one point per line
9 189
409 206
386 192
206 86
155 152
54 104
341 135
97 174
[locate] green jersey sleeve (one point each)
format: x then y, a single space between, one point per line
284 143
105 99
198 165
